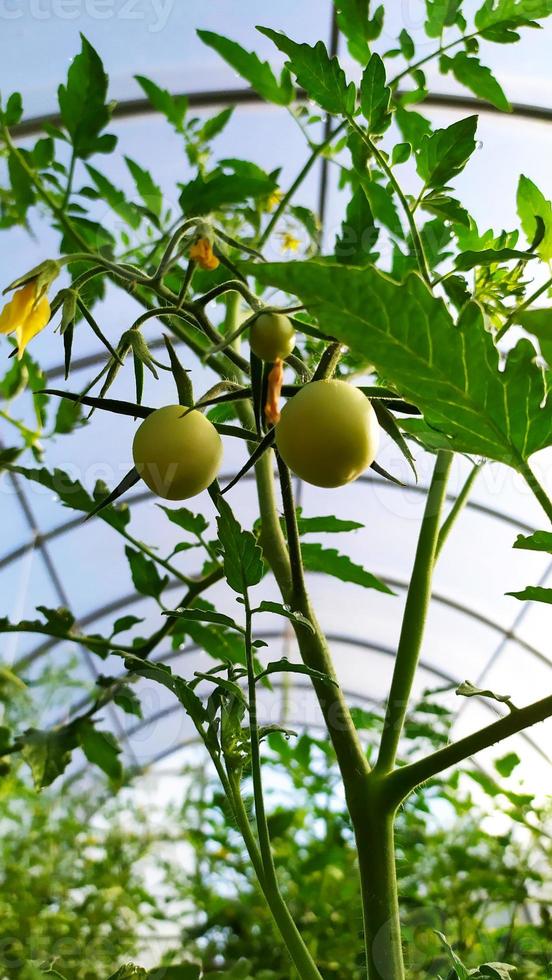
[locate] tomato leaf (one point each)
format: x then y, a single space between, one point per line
47 753
375 96
532 204
469 71
279 610
451 372
354 21
288 666
322 77
444 153
243 562
173 107
101 749
145 576
316 558
258 73
538 541
84 112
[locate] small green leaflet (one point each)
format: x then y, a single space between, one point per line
144 573
243 563
468 690
506 765
101 749
353 18
179 687
115 198
173 107
532 204
206 616
444 153
73 495
47 753
193 523
451 372
279 610
469 71
375 96
533 593
328 524
490 256
538 541
84 112
440 14
316 558
511 13
322 77
258 73
287 666
149 191
233 182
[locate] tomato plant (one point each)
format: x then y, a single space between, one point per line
438 341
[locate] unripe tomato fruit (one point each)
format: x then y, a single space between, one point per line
328 433
272 336
177 455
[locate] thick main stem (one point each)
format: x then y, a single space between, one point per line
373 818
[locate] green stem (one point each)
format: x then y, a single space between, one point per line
457 508
373 818
404 780
434 54
416 240
303 173
522 306
415 612
70 176
292 938
536 488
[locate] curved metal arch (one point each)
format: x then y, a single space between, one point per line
141 496
133 598
345 641
131 108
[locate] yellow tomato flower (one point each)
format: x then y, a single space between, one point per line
273 200
289 242
26 314
202 253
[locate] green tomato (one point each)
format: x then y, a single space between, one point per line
177 455
328 433
272 336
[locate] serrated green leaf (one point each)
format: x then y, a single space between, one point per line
148 190
316 558
47 753
101 749
229 184
327 524
440 14
82 104
444 153
511 13
322 77
258 73
375 96
480 80
532 204
451 372
206 616
277 609
353 18
489 256
243 563
115 198
288 666
538 541
185 519
533 593
173 107
145 575
179 687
